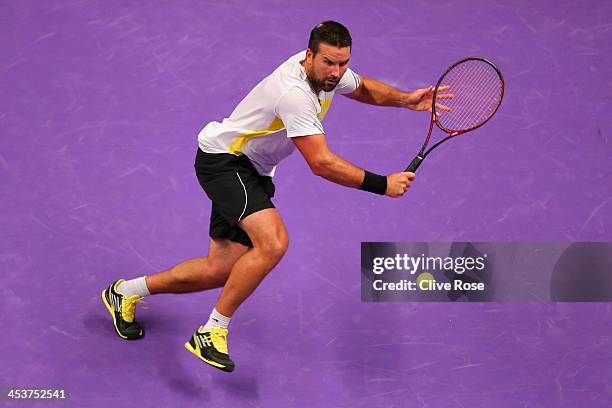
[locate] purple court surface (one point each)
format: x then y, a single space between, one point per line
101 103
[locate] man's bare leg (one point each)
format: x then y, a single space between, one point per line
269 236
197 274
270 241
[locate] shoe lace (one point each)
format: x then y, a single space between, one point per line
128 308
219 339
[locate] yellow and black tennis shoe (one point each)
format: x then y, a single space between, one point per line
210 346
123 310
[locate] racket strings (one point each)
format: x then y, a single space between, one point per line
486 88
475 102
477 88
475 96
470 111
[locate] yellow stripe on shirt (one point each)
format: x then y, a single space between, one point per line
325 104
238 143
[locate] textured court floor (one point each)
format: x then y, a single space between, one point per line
100 106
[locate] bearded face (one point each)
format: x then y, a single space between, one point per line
325 68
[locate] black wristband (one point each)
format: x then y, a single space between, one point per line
374 183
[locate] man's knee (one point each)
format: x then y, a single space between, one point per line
274 247
267 232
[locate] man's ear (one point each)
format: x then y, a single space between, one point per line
309 55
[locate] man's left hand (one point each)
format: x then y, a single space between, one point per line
421 99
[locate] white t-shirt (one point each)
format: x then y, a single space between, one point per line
281 106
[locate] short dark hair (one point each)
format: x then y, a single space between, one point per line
329 32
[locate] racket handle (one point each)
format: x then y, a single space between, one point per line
414 165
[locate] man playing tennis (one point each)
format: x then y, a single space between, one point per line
235 164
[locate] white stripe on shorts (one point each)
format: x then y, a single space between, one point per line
246 197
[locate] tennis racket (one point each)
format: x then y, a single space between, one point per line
477 89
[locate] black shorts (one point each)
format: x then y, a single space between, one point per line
236 190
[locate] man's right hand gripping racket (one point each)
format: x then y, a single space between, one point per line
477 87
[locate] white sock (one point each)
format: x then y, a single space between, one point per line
133 287
216 319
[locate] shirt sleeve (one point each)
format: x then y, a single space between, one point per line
298 113
349 82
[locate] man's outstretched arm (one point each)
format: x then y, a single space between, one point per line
326 164
378 93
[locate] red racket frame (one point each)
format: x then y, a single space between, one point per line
416 162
